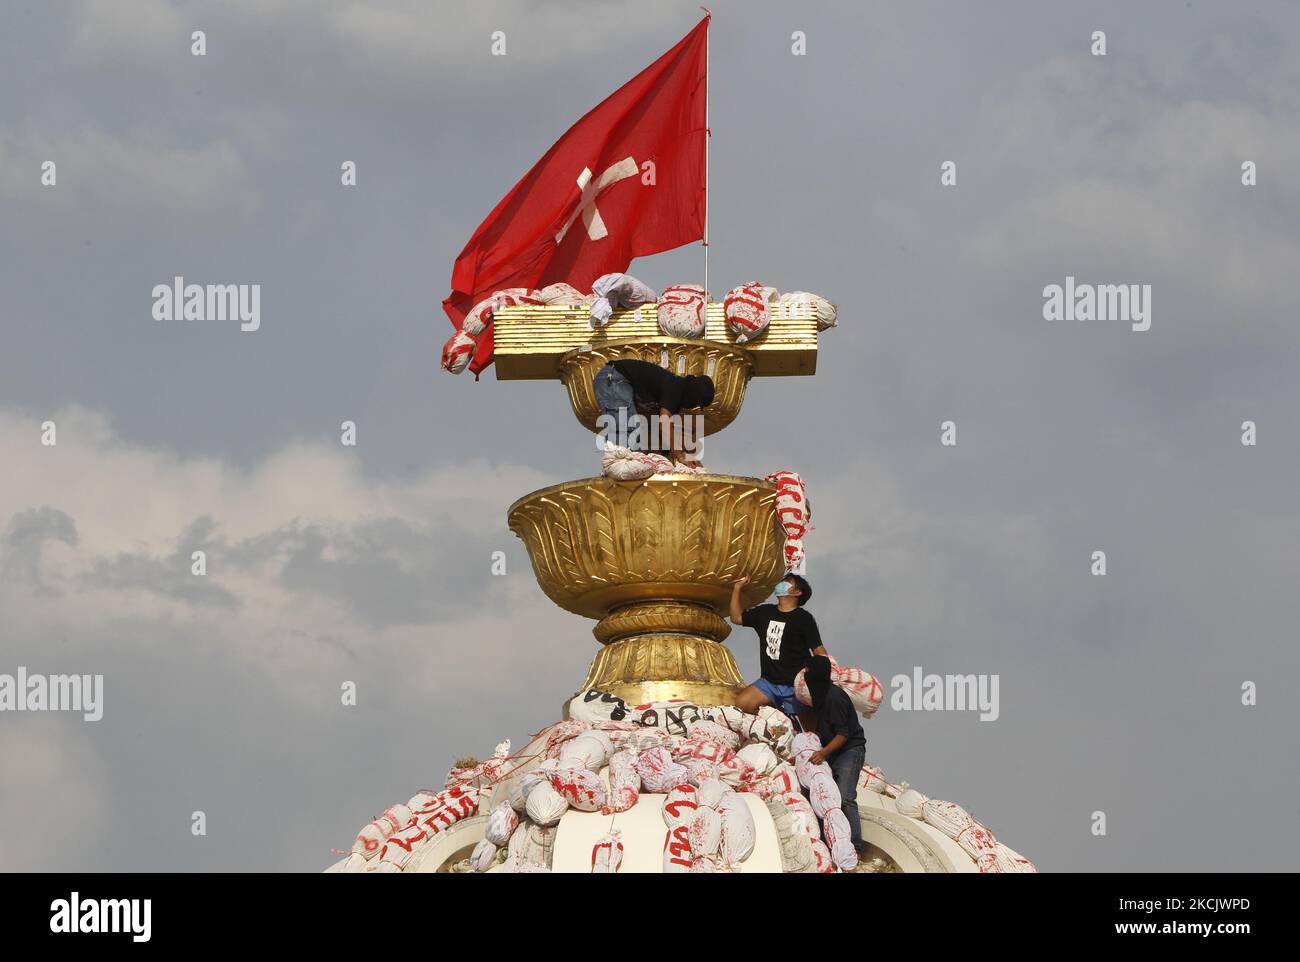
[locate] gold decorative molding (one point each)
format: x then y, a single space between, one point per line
652 616
530 341
660 667
729 367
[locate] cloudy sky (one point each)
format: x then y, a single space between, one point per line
372 563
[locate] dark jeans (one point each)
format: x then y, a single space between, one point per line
615 398
846 766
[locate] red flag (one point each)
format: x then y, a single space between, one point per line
625 181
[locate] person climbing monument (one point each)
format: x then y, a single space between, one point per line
627 389
787 638
844 746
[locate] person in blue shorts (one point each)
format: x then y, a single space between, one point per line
787 639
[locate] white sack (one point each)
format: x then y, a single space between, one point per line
709 792
680 806
581 788
681 311
484 854
677 850
658 771
948 817
616 291
738 830
705 832
501 823
545 805
607 854
822 309
586 751
839 840
758 756
909 803
824 794
564 294
457 352
748 310
624 783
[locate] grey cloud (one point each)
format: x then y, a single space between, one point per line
169 577
389 572
385 570
25 536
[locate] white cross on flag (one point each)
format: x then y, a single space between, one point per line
631 172
586 205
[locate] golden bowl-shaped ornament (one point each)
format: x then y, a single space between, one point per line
598 545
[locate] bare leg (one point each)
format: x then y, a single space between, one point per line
750 700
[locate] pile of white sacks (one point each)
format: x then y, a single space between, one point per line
961 826
624 464
391 841
679 310
699 759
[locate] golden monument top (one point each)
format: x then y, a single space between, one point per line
531 341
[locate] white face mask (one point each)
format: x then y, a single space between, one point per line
782 589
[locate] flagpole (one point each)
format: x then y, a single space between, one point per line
708 135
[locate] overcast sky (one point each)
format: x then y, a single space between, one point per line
1119 694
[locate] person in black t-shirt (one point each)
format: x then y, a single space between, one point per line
844 746
629 388
787 636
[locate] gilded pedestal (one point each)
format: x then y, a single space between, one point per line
654 562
